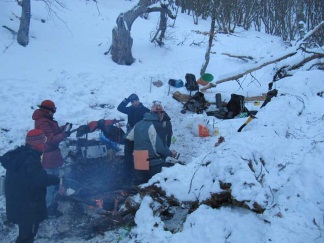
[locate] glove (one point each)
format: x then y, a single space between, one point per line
67 133
82 130
132 97
101 124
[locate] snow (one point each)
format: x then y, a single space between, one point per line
65 62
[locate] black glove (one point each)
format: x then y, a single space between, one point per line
67 133
133 97
101 124
82 130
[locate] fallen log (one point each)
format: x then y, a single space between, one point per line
240 75
239 57
300 64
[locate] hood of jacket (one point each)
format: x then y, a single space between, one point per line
151 116
14 159
41 113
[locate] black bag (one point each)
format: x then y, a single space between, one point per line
235 106
191 83
114 134
197 103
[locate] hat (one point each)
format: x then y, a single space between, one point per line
133 97
48 105
157 107
35 137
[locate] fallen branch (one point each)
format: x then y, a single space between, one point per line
240 75
315 56
300 44
11 30
239 57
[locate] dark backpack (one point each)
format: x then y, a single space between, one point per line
197 103
114 133
235 106
191 83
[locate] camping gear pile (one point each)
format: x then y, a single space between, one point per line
197 103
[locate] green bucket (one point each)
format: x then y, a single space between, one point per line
207 77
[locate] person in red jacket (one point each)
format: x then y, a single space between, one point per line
52 157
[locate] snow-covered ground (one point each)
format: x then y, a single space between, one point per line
65 62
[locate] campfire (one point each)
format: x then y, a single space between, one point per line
94 189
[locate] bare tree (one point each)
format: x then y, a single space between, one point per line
210 42
160 33
23 32
122 42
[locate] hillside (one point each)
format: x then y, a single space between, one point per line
276 162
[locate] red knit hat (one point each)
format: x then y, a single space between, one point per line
48 105
35 137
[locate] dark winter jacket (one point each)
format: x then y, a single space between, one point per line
25 185
147 135
134 114
52 157
167 129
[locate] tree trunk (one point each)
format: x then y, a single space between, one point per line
210 42
122 42
160 33
23 32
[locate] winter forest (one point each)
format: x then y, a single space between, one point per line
255 176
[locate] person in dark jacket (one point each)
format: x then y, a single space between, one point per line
150 145
25 185
167 132
52 157
135 113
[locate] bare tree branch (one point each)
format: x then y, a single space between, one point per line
240 75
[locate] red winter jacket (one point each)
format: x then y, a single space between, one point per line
52 157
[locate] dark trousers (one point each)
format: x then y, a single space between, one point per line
27 232
143 176
129 160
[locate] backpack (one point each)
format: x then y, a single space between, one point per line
197 103
235 106
114 134
191 83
